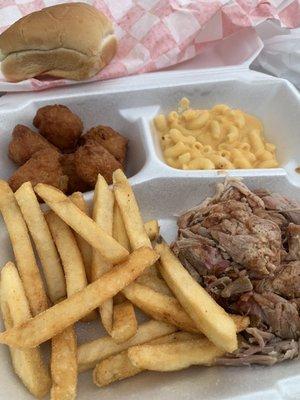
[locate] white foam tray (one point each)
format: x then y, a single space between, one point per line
129 106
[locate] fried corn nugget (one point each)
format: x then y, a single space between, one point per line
59 125
113 141
43 167
25 143
75 183
93 159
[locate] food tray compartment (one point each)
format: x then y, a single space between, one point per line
162 193
275 105
163 198
101 113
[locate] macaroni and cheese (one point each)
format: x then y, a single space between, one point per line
219 138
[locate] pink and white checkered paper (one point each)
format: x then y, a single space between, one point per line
155 34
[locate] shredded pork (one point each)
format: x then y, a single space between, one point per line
243 247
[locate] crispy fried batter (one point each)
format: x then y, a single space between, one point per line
25 143
101 150
59 125
109 138
93 159
43 167
75 183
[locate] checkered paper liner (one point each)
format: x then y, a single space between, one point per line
155 34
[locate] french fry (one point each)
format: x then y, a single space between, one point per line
124 322
81 223
119 231
70 256
115 368
130 211
178 336
124 325
12 292
131 217
159 306
119 366
106 313
152 229
69 253
23 251
41 236
103 206
90 353
28 364
58 317
155 283
64 368
174 356
208 316
168 309
85 249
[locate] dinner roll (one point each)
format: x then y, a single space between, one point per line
72 41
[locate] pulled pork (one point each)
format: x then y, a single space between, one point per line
243 247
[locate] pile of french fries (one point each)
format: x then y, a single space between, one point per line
100 267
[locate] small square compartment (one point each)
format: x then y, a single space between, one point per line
274 102
93 111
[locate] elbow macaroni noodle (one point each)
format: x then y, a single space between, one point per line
219 138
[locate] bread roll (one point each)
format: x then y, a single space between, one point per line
72 41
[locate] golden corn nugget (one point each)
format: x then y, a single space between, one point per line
93 159
43 167
59 125
25 143
115 143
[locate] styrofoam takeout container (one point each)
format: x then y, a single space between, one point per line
129 105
